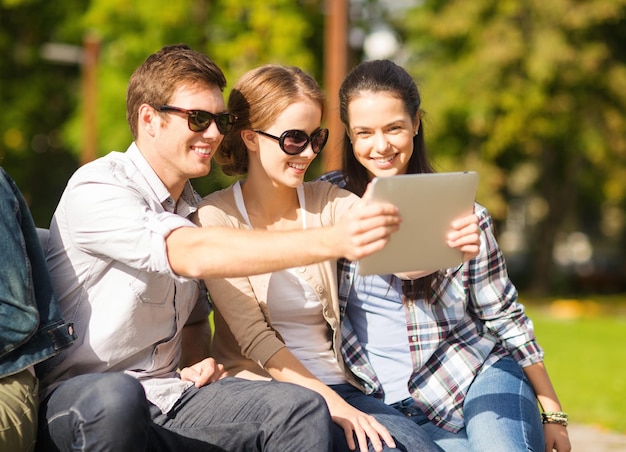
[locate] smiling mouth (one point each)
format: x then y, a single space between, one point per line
205 152
383 160
298 166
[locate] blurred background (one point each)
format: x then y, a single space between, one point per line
531 94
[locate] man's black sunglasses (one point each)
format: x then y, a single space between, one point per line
294 141
200 120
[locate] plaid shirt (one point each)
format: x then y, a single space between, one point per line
473 320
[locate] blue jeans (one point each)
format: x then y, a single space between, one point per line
95 412
409 437
500 412
98 412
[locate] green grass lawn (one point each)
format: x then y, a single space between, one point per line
585 346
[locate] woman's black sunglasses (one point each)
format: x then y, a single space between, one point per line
293 142
200 120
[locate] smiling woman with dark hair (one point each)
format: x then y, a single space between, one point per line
452 350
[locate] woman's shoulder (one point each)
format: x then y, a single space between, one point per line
318 185
224 196
327 202
217 208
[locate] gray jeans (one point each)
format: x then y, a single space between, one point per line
241 415
109 412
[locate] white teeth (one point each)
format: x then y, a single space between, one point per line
386 159
298 166
203 151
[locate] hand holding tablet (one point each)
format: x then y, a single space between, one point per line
428 204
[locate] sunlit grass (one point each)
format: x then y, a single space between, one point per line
585 346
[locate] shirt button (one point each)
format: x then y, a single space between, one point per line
302 269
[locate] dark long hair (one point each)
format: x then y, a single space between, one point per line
385 76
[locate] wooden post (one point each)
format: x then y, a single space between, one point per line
335 69
91 50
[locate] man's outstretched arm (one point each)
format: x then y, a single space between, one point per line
217 252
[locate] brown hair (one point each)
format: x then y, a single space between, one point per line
386 76
380 76
257 99
163 72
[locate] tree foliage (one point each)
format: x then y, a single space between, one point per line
36 97
533 94
46 98
236 34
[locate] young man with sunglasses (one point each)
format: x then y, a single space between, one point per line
126 264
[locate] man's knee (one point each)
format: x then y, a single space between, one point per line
306 416
106 409
299 396
120 392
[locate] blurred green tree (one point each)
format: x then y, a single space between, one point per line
42 125
532 94
36 95
236 34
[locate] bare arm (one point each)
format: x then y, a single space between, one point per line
218 252
283 366
556 435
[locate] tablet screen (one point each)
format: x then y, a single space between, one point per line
428 204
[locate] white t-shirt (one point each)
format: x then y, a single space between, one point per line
296 313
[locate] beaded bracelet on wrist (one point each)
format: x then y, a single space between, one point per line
554 417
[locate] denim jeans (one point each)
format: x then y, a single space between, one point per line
95 412
409 437
98 412
500 411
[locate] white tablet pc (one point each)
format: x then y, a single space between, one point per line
428 204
